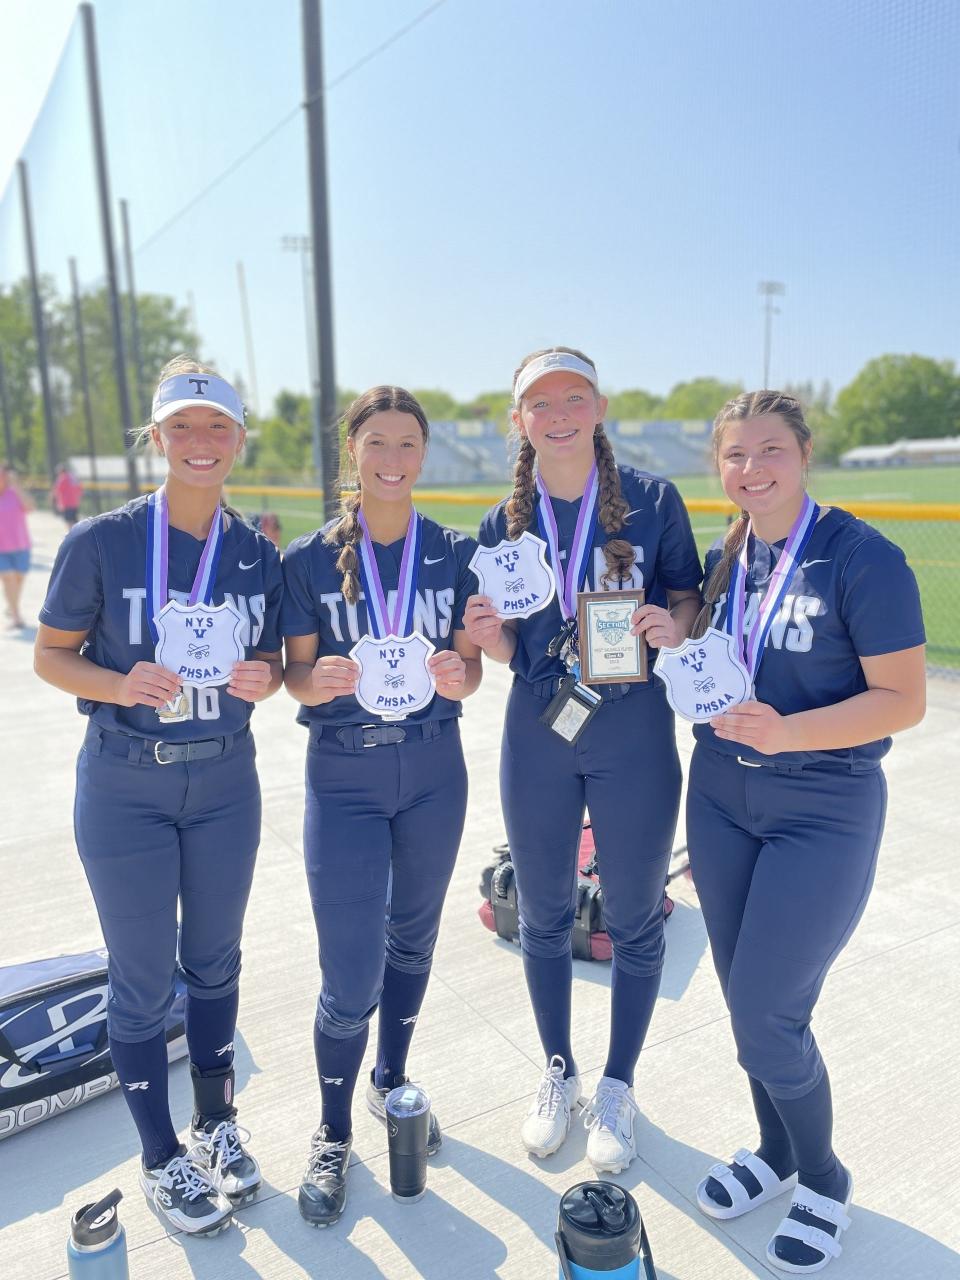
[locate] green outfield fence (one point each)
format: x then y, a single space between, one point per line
929 533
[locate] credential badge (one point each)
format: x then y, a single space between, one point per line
703 677
515 575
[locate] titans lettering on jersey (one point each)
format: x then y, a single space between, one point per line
853 596
313 604
658 528
98 586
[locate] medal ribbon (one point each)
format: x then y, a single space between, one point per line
750 648
158 557
382 622
569 584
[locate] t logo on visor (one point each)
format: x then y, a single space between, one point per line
199 383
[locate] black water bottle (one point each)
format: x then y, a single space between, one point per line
408 1124
600 1234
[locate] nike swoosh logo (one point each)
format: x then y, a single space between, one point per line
807 563
250 565
427 560
635 512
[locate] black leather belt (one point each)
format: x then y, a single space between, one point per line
356 737
148 750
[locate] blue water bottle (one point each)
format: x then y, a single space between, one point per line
97 1248
601 1236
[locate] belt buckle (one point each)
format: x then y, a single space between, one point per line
749 764
156 752
363 729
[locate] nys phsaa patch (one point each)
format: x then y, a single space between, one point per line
704 677
515 575
200 642
394 678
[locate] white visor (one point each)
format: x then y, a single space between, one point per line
550 363
187 390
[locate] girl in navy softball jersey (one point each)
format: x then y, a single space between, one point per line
167 809
787 797
386 784
623 767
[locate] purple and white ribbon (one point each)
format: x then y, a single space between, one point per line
158 559
750 648
569 583
398 621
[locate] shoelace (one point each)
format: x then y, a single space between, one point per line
326 1157
604 1108
550 1094
224 1146
182 1174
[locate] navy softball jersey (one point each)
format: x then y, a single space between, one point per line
658 528
853 596
98 585
314 603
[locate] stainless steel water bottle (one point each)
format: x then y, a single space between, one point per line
97 1247
408 1124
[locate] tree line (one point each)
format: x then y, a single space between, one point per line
892 397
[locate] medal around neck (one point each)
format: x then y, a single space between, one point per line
200 642
395 680
704 677
515 575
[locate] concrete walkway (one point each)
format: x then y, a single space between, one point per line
887 1024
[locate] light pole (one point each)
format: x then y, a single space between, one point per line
304 246
769 289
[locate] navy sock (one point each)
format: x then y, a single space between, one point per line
142 1071
211 1025
338 1065
550 981
400 1003
775 1149
809 1121
632 1002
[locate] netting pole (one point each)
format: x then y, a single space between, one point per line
5 412
325 400
84 381
143 408
39 328
109 252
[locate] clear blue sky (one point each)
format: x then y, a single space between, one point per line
512 173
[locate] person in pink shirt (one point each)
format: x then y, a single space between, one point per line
14 542
66 494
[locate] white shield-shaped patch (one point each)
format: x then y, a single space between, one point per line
394 678
703 677
515 575
200 642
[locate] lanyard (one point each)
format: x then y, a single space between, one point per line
569 584
750 647
399 621
158 558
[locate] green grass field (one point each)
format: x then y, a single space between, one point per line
932 547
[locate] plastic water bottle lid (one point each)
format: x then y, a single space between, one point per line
407 1100
96 1224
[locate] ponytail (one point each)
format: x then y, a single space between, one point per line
520 503
346 534
720 578
618 553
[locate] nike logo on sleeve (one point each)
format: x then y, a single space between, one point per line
807 563
250 565
427 560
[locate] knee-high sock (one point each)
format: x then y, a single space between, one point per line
211 1025
549 982
338 1065
400 1003
632 1002
809 1122
142 1071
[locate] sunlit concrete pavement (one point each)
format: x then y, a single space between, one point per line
887 1024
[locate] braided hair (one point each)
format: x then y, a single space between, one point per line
613 507
750 404
346 532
